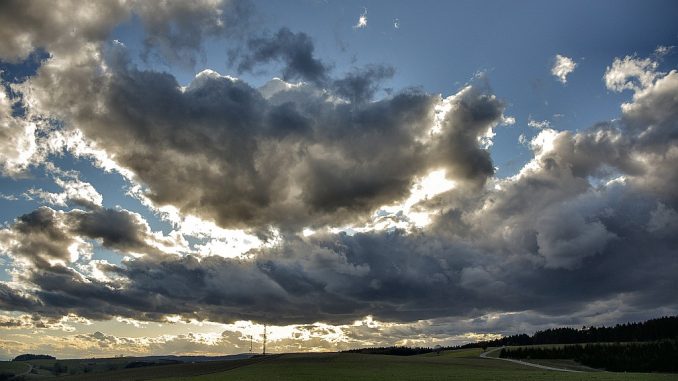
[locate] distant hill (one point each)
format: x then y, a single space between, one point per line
29 356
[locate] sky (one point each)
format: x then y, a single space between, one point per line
175 175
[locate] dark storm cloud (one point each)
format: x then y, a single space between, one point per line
218 149
361 84
334 278
510 258
472 116
299 156
45 235
294 50
392 276
37 237
299 281
13 300
651 122
117 229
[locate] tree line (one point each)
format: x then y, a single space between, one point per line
651 330
656 356
29 356
664 328
394 351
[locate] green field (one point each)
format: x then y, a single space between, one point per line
449 365
13 367
452 365
113 369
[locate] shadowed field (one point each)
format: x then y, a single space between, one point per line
13 367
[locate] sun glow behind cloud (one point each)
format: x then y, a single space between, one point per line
429 186
405 215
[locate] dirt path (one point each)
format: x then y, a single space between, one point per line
484 355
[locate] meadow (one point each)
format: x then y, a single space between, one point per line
450 365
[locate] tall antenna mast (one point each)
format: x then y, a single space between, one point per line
264 339
251 342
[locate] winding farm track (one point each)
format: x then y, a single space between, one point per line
484 355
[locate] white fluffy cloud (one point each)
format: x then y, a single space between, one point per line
18 147
562 67
630 73
74 190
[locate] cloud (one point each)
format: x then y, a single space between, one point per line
472 115
26 26
75 190
18 147
663 220
304 156
295 50
176 31
301 157
621 75
46 237
562 67
361 84
661 51
538 124
566 238
33 322
362 20
308 130
39 238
